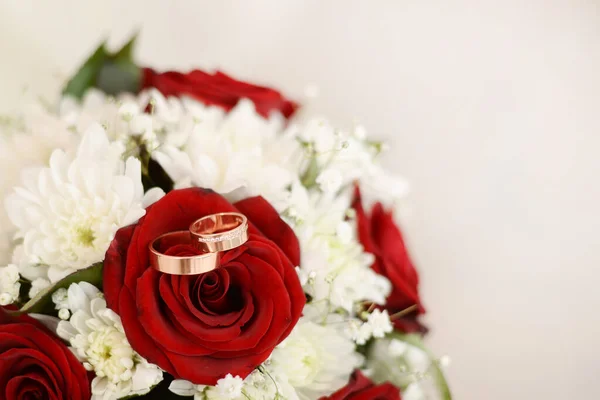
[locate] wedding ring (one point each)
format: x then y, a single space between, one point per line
176 265
220 232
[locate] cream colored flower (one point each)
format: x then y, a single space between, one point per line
239 154
97 337
68 213
27 141
317 359
334 266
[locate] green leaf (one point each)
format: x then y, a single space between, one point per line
437 373
42 303
118 77
111 72
125 54
119 73
86 77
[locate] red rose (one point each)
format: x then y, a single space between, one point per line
217 89
361 388
202 327
35 364
380 236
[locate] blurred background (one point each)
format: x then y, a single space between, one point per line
492 110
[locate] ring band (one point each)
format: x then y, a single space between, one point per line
175 265
220 232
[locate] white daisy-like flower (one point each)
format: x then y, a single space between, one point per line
261 384
334 266
317 359
239 154
9 284
27 141
68 213
96 335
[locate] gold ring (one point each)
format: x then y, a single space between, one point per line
176 265
220 232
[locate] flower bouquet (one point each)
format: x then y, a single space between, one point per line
168 235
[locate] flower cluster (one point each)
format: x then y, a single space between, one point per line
322 289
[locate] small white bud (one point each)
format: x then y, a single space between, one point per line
64 314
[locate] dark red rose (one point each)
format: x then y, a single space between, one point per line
218 89
202 327
380 236
361 388
35 364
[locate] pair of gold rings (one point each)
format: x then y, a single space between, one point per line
211 235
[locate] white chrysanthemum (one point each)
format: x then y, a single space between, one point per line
27 141
68 213
96 335
9 284
259 385
317 359
237 153
334 267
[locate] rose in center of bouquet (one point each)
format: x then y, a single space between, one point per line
203 327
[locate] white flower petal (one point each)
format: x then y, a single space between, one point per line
66 330
182 387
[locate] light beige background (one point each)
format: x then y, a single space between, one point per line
492 109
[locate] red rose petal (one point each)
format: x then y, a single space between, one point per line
34 362
200 328
217 89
